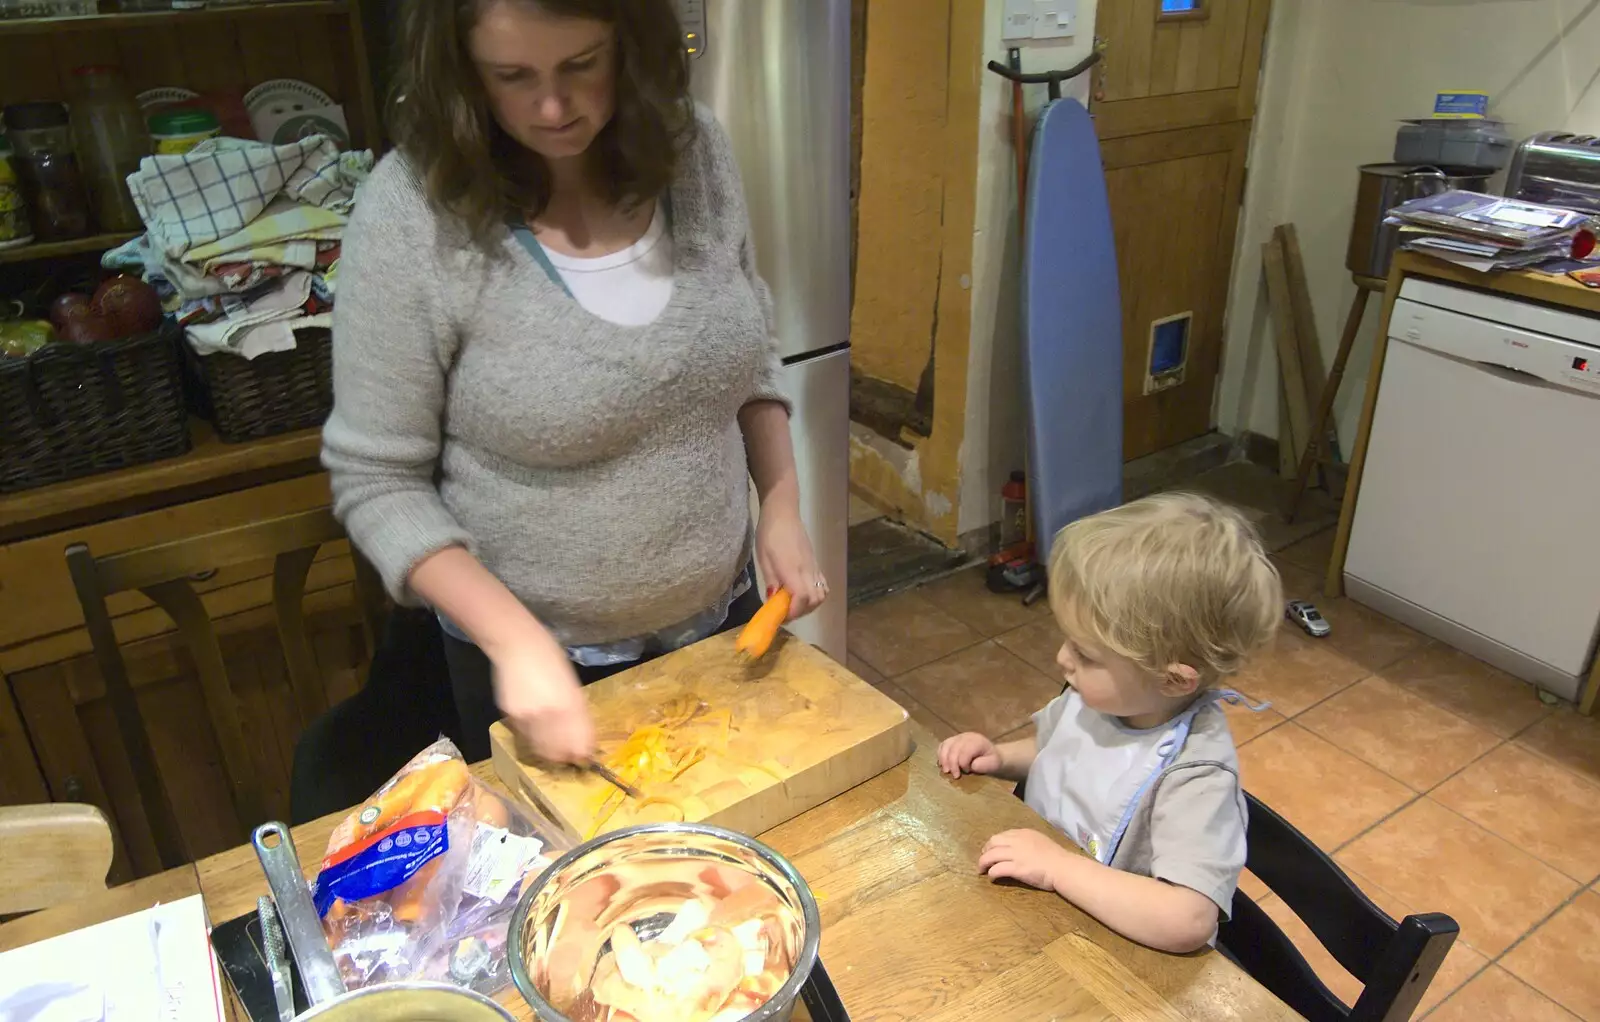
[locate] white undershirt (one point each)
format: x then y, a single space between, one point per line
628 288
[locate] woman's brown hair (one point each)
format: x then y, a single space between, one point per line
440 117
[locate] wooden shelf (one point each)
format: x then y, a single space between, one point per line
142 19
208 461
53 249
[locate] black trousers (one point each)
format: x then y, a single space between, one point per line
348 752
472 682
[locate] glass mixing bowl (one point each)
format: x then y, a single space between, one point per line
665 922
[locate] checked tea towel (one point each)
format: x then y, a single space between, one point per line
188 200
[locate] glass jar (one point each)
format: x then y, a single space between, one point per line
178 131
14 227
48 169
111 138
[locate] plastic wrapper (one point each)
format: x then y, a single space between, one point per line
420 881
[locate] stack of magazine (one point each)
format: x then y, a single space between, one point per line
1489 232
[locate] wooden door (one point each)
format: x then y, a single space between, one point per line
1173 102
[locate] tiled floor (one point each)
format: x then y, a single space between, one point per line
1439 783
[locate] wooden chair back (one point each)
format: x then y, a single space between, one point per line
1395 961
51 854
164 573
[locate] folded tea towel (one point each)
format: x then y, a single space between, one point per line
284 223
237 332
217 188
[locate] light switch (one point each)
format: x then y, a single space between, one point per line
1054 19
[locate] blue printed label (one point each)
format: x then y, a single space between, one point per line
382 862
1461 104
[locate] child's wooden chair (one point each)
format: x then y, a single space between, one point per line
1395 961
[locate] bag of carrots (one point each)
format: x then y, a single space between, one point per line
420 881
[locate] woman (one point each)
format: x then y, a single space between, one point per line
553 368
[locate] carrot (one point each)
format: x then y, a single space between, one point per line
489 809
443 789
392 803
410 898
435 785
757 636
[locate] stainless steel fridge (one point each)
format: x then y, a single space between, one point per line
777 74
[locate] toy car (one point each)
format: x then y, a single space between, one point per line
1304 613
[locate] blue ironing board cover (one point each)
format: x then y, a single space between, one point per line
1071 327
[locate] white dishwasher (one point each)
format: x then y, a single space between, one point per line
1478 516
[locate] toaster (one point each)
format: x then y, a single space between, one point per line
1557 168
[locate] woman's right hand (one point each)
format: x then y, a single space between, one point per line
534 683
538 690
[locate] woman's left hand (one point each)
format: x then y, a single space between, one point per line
785 558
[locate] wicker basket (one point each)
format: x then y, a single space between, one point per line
71 410
279 392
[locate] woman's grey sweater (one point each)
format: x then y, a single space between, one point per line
597 470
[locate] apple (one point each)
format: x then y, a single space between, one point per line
21 338
90 329
68 307
129 304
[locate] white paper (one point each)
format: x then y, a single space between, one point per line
152 965
497 862
1528 216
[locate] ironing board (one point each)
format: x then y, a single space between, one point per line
1071 328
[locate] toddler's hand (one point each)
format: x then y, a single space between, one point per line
968 753
1026 856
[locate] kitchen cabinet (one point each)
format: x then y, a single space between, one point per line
58 740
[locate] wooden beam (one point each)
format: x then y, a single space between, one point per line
1283 333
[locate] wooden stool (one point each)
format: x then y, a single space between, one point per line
1365 287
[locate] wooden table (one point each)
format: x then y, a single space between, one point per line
910 930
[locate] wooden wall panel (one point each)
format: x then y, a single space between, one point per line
905 106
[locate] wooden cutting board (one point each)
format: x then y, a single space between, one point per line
781 736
